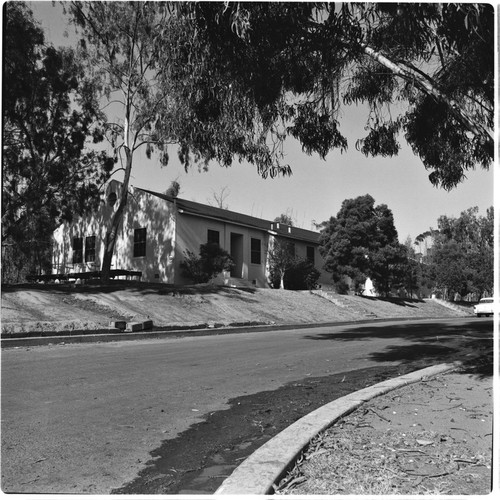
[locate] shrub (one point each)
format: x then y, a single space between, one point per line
301 275
211 261
342 288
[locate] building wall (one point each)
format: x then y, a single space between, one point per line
169 234
192 231
301 251
142 211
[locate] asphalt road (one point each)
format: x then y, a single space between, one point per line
82 418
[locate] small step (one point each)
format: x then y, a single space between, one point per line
238 283
232 282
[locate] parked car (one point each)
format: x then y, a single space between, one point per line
485 307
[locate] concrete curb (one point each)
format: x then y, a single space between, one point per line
258 474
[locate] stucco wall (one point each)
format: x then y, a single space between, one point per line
192 232
169 234
143 211
325 278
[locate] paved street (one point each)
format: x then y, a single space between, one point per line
83 418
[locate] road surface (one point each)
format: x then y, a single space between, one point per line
83 418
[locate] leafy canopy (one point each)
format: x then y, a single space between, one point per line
247 75
462 254
362 241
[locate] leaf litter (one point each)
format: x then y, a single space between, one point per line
362 453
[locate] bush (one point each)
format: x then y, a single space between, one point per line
301 275
211 261
342 288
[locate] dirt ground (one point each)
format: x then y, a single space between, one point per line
432 437
91 307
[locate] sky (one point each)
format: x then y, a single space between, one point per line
317 187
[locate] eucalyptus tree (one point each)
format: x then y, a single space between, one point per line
119 46
250 74
50 171
462 258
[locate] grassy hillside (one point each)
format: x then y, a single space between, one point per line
56 307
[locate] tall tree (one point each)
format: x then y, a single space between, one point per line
120 47
362 241
412 270
49 172
281 256
389 266
250 74
463 253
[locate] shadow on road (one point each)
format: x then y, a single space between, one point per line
470 342
198 460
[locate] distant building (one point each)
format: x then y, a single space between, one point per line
157 230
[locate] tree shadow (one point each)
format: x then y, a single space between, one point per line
468 341
142 288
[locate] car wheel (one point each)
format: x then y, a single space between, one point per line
479 315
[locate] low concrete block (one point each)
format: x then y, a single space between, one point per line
121 325
135 327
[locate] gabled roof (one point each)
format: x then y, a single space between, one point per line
207 211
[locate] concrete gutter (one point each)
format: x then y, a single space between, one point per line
262 470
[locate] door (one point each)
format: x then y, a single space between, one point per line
237 255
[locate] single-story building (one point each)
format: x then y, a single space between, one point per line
157 230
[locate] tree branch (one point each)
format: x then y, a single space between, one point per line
424 85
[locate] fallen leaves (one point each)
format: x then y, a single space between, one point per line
350 459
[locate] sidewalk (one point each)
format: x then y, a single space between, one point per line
433 436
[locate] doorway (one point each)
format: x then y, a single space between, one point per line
237 255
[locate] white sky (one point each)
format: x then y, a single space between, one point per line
317 188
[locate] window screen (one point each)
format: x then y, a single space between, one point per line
310 254
140 242
77 250
213 236
255 257
90 249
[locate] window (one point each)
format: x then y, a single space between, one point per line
255 256
90 249
310 254
77 250
112 199
140 242
213 236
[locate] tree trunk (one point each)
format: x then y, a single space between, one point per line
109 248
